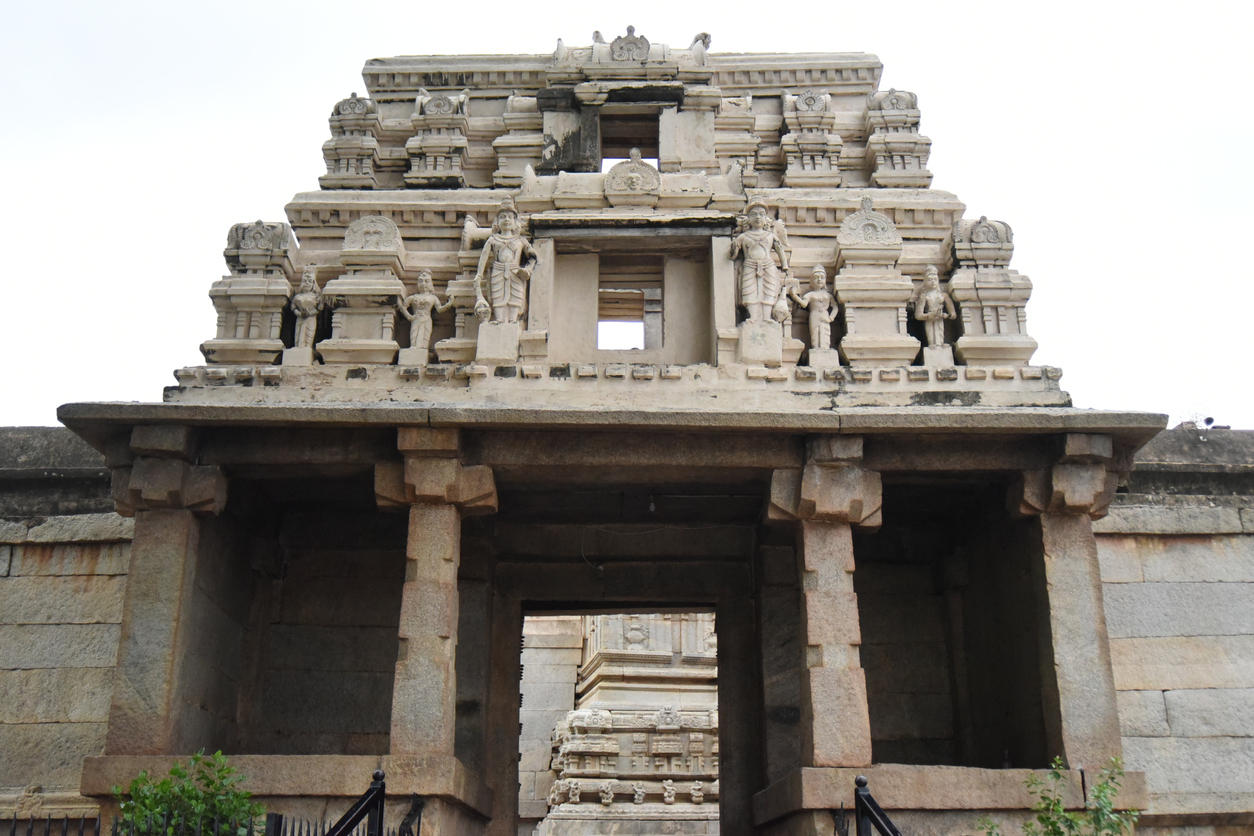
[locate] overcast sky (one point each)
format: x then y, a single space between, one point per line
1115 138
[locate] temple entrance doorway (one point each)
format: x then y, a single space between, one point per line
618 724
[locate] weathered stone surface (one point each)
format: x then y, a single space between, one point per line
83 528
35 559
1145 519
12 531
1088 712
58 646
1194 774
1120 559
1227 712
65 600
911 716
56 695
52 751
1180 609
1173 662
1162 559
1143 714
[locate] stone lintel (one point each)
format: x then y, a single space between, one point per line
346 776
902 787
97 422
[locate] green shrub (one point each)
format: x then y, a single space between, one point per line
194 796
1098 818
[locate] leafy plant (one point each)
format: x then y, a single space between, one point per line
1098 818
191 799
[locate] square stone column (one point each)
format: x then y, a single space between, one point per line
827 497
1081 713
437 490
156 696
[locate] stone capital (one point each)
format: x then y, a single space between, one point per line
151 484
432 473
831 487
1082 482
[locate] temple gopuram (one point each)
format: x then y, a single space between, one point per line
628 440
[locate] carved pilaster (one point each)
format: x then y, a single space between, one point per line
438 490
524 144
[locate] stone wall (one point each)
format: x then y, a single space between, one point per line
1177 557
552 648
63 568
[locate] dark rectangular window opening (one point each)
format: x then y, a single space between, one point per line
629 302
620 132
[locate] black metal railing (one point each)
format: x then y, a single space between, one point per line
49 826
364 818
867 813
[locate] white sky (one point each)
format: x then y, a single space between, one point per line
1115 138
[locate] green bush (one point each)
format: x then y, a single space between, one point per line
193 796
1098 818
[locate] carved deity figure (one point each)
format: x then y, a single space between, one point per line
607 792
668 791
507 260
821 304
557 793
637 793
933 307
418 309
306 304
761 280
572 792
697 793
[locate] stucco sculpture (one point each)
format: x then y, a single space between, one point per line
418 309
307 304
933 308
506 261
761 279
821 305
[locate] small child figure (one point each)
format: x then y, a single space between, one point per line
819 301
418 309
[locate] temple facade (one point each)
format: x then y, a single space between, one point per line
822 454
